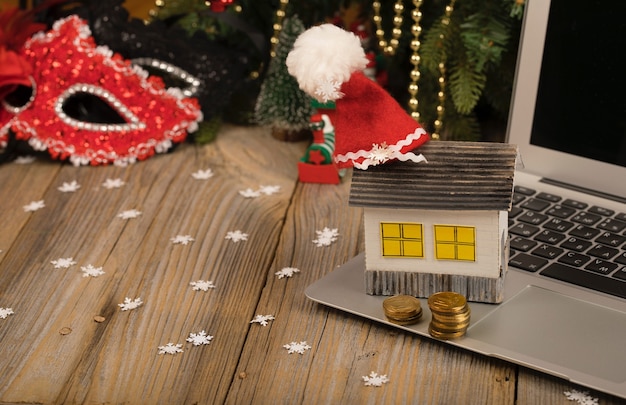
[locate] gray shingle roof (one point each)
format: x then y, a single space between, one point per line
457 176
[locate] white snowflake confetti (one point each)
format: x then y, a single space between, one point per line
200 338
297 347
69 187
24 160
236 236
375 380
582 397
202 174
328 90
287 272
130 303
201 285
326 236
4 312
34 206
91 271
113 183
263 319
63 263
171 348
380 153
129 214
250 193
269 190
182 239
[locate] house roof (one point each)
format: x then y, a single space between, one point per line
456 176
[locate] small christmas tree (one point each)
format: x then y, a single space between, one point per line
281 104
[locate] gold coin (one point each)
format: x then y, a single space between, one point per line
402 309
449 327
400 306
447 301
452 318
405 318
452 312
444 335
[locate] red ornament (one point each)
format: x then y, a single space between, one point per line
219 6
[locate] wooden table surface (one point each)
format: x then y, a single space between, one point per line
69 342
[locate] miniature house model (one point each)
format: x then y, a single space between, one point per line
440 225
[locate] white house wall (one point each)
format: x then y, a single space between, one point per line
489 227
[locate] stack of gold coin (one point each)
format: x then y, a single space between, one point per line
402 309
451 315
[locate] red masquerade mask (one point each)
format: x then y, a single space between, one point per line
91 106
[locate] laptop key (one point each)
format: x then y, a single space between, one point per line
611 239
550 237
585 232
549 197
525 230
601 266
621 258
547 251
576 244
613 225
602 211
557 224
517 198
515 211
527 262
535 204
575 204
603 252
598 282
586 218
560 211
522 244
531 217
574 259
524 190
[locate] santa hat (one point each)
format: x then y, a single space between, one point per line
370 126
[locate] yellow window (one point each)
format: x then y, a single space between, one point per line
392 248
401 239
390 230
455 242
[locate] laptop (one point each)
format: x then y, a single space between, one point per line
568 118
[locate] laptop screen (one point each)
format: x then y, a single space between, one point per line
568 109
581 98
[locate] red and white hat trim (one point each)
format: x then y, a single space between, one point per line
381 153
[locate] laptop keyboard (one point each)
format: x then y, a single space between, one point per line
568 240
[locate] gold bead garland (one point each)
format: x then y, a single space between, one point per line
416 30
441 95
389 48
278 25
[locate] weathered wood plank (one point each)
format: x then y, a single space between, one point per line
116 360
16 183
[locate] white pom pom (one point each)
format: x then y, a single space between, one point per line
324 57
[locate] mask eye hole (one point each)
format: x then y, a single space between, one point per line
93 108
20 98
87 107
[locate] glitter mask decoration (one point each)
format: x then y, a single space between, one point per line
92 106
